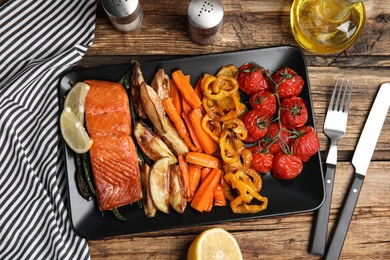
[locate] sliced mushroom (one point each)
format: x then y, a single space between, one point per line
149 207
136 81
176 191
161 85
159 184
151 144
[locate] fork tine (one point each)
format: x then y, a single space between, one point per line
333 95
349 97
336 107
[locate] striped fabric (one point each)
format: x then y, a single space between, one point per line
39 40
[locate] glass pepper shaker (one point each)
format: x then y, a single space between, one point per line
205 19
125 15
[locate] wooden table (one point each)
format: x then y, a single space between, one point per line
256 24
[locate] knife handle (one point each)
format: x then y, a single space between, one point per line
342 225
320 228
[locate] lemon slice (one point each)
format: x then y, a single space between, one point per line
74 132
76 99
215 243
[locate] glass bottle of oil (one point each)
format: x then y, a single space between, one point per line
327 26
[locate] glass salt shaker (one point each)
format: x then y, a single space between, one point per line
125 15
205 19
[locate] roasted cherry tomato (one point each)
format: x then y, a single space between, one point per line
293 112
256 124
265 102
276 139
307 143
286 166
251 78
261 161
290 83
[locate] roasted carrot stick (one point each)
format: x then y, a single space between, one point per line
218 196
184 175
202 159
204 173
198 88
204 195
191 130
185 106
176 98
208 144
178 122
194 172
186 90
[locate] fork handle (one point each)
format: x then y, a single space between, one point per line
320 227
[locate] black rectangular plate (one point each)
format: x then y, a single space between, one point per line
304 193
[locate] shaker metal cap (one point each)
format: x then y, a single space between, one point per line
120 8
205 14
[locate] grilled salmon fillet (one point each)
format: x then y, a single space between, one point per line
107 109
113 155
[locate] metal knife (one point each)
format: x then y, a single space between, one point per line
361 160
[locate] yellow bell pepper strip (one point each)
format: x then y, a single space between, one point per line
240 204
218 113
212 127
229 70
228 153
217 88
236 126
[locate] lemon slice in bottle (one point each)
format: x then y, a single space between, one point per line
75 100
215 243
73 132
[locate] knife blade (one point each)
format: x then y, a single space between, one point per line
361 160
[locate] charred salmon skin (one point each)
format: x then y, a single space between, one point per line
113 155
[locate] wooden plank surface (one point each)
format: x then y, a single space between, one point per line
277 237
257 24
247 25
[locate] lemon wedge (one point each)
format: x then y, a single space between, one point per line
215 243
73 132
75 100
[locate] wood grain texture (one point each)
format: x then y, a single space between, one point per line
284 237
257 24
247 25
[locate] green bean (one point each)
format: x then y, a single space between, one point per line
118 215
81 184
88 172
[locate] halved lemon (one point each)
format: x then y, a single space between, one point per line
74 132
215 243
75 100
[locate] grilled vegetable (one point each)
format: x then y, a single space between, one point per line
136 80
151 144
118 215
161 84
88 172
81 182
149 207
153 106
163 126
159 184
176 191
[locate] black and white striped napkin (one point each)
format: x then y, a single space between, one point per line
39 40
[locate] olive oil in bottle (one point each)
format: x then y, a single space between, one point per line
327 26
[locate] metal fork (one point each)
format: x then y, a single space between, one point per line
335 127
